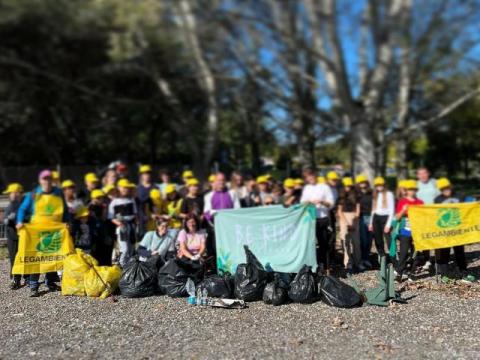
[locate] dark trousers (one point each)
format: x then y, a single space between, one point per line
379 222
103 254
332 233
323 236
12 245
405 248
442 257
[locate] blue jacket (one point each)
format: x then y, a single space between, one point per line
26 209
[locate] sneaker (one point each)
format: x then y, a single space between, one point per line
427 266
469 279
14 285
34 293
54 287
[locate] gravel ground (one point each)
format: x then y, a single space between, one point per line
439 322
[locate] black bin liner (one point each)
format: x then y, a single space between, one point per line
218 286
250 278
173 276
276 292
338 294
303 288
139 279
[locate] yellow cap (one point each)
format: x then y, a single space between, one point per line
320 179
211 178
192 182
125 184
443 183
107 188
97 193
262 179
289 183
81 212
268 176
379 181
155 194
187 174
347 181
410 184
13 187
170 188
360 179
332 175
55 175
67 184
91 177
145 169
298 181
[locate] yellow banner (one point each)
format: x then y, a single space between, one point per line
42 248
444 225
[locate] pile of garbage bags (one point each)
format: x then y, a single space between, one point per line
83 277
177 277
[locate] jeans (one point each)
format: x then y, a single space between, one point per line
379 222
365 237
50 279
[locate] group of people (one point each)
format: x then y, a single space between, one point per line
113 218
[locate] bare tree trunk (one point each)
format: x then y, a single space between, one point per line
206 79
363 149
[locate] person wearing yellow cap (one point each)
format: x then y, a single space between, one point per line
15 195
319 195
173 204
405 233
123 213
299 183
145 186
263 190
291 196
83 230
186 175
55 178
91 182
193 202
442 256
383 212
365 194
70 195
321 180
348 210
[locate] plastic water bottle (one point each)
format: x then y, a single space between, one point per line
204 297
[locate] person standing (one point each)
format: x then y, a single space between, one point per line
220 198
122 212
15 195
405 233
145 186
332 181
366 236
291 196
427 192
383 212
73 204
348 213
442 256
91 183
193 201
321 196
45 204
237 184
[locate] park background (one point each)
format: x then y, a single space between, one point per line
378 86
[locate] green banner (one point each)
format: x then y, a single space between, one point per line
282 238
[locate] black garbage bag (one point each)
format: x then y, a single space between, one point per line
303 288
336 293
218 286
173 276
250 278
276 292
139 279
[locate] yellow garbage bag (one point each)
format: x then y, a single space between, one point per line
75 267
102 281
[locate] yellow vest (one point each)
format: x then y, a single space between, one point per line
173 209
48 208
